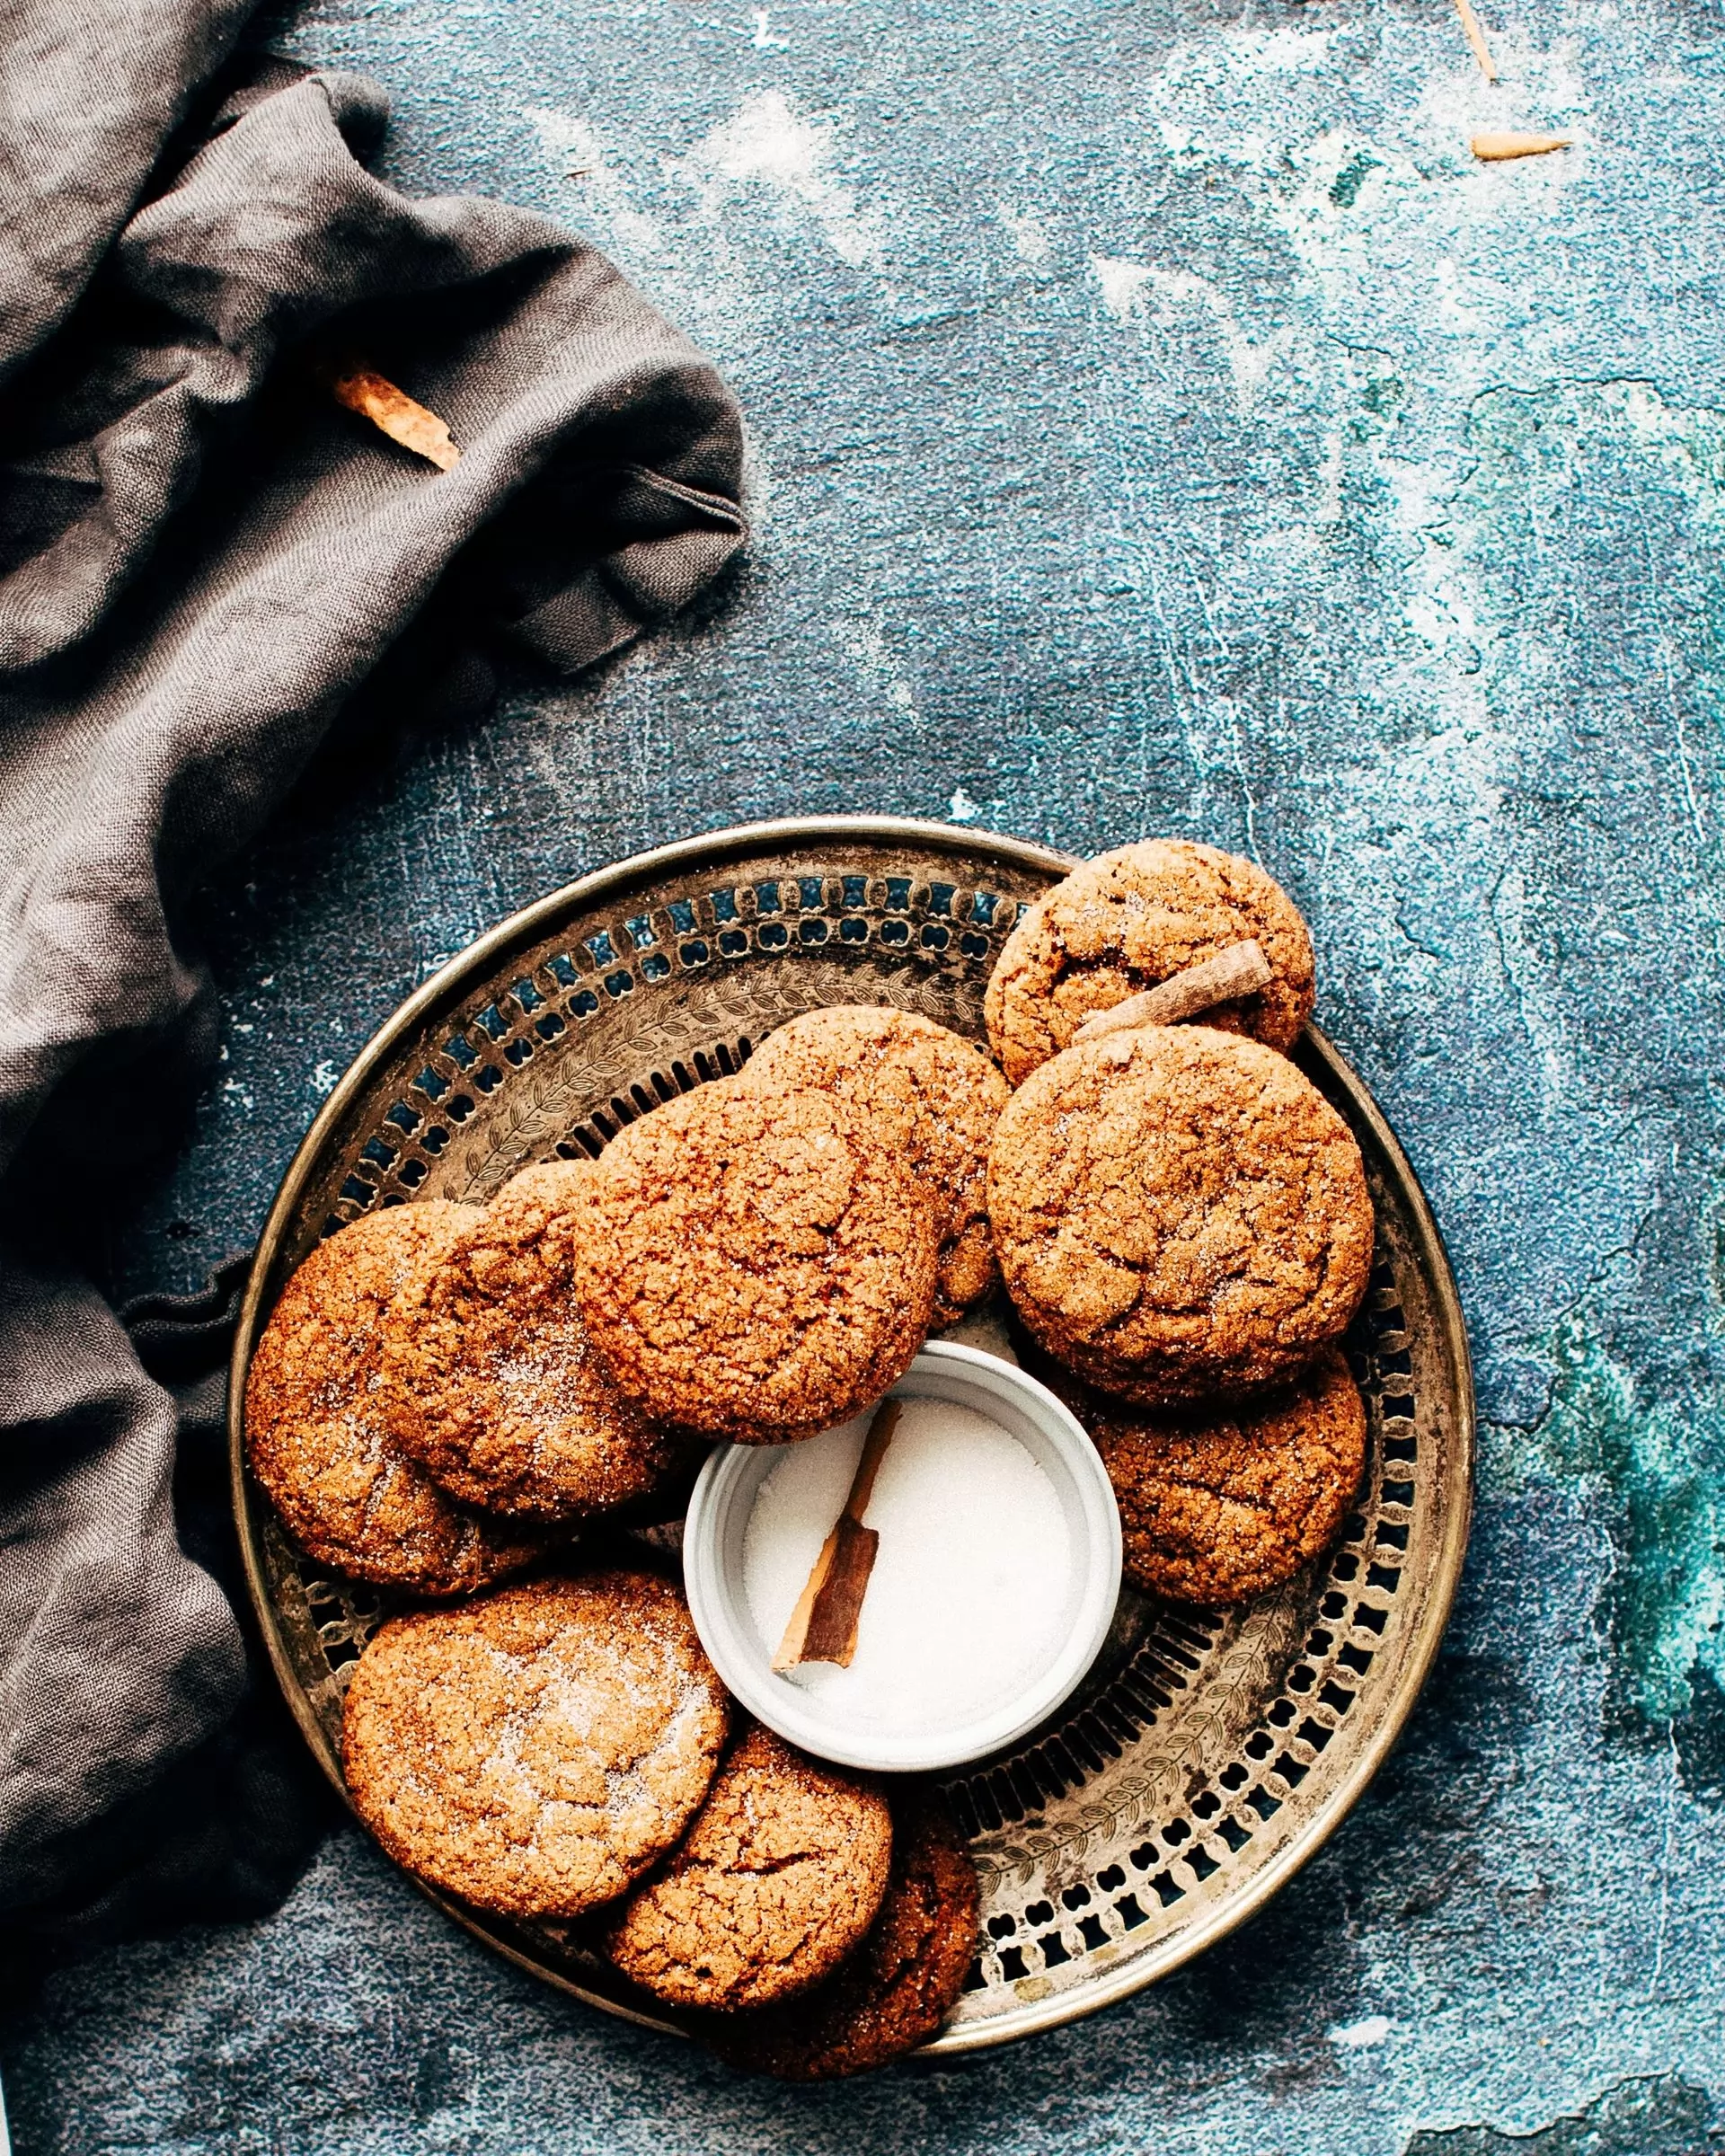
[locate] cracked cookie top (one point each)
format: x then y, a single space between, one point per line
780 1875
1179 1212
896 1988
535 1751
316 1434
935 1097
754 1266
492 1383
1126 921
1217 1507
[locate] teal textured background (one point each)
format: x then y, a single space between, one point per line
1159 423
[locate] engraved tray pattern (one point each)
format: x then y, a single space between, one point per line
1209 1753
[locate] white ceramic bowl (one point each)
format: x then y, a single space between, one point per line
712 1567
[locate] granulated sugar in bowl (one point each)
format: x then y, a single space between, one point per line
992 1586
971 1585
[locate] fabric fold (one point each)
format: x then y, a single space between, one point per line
202 558
89 96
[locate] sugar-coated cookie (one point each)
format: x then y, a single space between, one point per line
1125 921
492 1381
778 1878
537 1750
934 1097
756 1266
1178 1213
900 1984
316 1434
1219 1507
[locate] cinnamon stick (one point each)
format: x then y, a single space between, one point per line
823 1625
375 398
1239 970
1492 148
1476 38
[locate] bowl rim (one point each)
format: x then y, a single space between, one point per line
727 1635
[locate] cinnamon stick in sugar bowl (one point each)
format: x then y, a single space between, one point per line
994 1578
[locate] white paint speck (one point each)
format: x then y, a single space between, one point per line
755 30
323 1078
1131 290
962 809
768 141
864 642
1027 235
1122 283
1359 2035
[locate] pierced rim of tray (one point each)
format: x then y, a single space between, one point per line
1210 1754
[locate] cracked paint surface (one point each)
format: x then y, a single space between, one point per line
1159 422
1660 2115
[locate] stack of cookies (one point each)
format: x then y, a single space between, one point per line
446 1393
1181 1218
563 1748
443 1389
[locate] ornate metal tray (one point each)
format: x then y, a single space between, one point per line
1210 1754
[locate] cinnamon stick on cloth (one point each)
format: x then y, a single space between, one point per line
205 558
394 413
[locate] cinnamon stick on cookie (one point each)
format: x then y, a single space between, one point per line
1240 970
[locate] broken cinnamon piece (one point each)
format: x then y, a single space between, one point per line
1492 148
1239 970
378 399
1476 38
823 1625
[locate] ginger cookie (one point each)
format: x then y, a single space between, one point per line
933 1096
1124 922
755 1267
1217 1507
779 1877
494 1386
316 1436
896 1988
1179 1212
537 1750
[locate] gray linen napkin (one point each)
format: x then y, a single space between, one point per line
202 558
